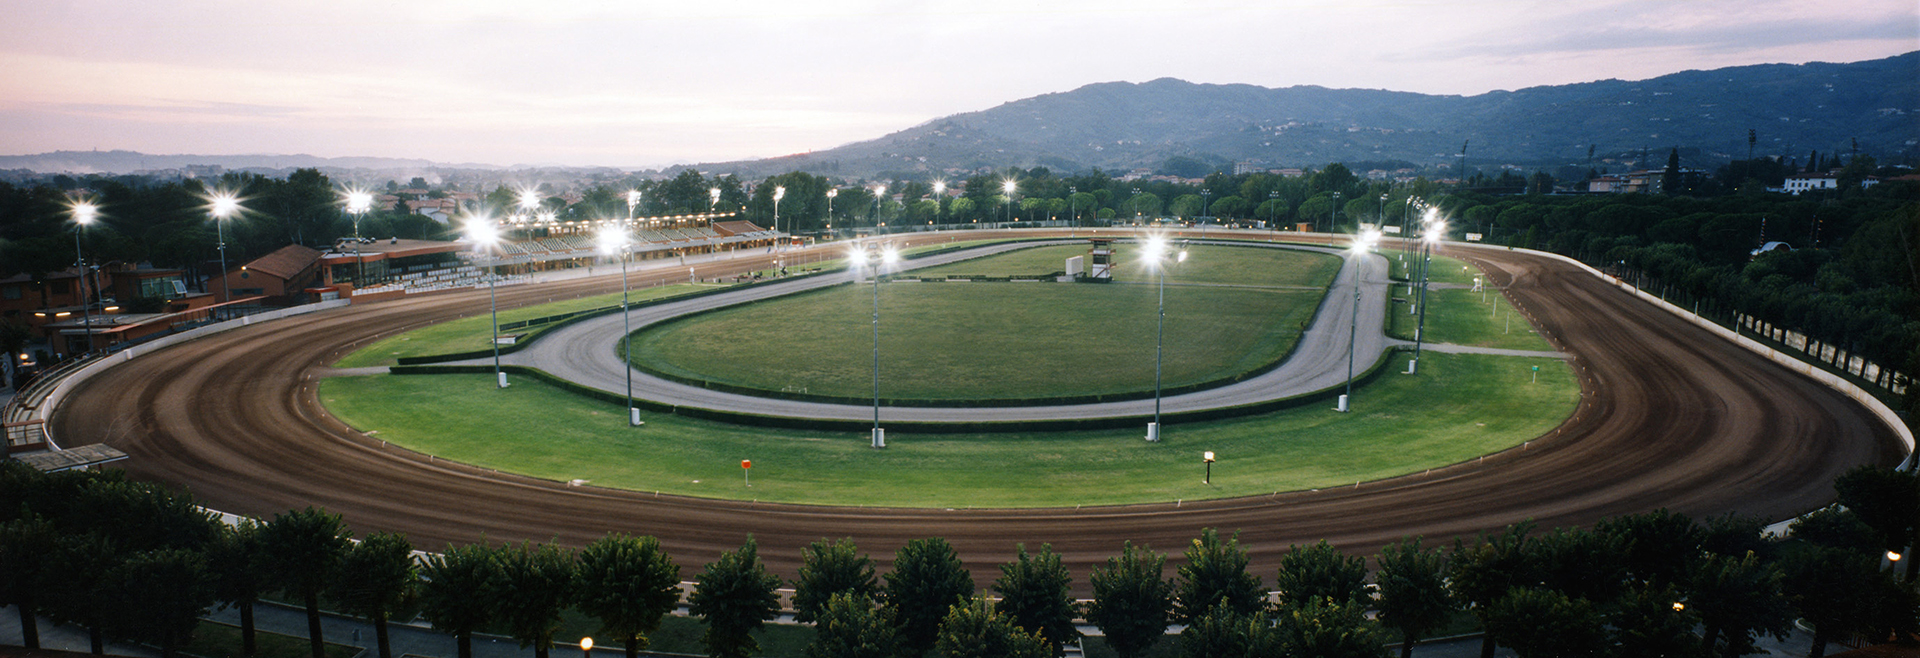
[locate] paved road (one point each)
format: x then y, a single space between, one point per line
584 353
1670 416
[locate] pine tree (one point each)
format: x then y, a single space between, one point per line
735 595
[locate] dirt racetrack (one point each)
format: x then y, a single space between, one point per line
1671 417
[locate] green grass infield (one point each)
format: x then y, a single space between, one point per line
1457 408
471 333
1230 311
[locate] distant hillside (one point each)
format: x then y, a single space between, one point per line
1793 109
1122 126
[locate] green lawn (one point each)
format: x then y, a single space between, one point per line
1443 270
218 640
1461 317
1205 264
1458 407
471 333
981 340
1229 311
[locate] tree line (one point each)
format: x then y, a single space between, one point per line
1851 277
135 561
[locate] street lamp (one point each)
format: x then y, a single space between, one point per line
1155 252
939 199
1434 227
586 647
84 213
1361 246
873 257
713 198
879 192
529 200
614 241
1073 206
483 233
778 193
1335 220
1204 193
1208 458
633 201
1009 187
1135 200
358 203
224 205
831 193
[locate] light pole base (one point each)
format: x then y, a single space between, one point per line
879 437
1153 432
503 379
633 416
1343 404
1411 365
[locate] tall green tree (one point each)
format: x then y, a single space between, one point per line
1656 548
376 579
1320 571
1221 631
851 626
1036 593
975 629
827 569
1542 623
161 596
239 574
1327 628
1482 573
629 584
1836 590
1738 597
304 549
86 593
26 550
1653 621
531 587
735 595
1215 574
1888 501
1131 600
926 580
453 591
1413 591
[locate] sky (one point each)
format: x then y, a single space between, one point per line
643 83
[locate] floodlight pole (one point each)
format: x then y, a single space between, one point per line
1420 330
626 318
493 303
1159 344
879 435
220 235
83 215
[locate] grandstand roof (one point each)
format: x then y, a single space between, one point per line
376 249
737 227
284 262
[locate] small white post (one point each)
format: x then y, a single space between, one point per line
1153 432
879 437
1343 404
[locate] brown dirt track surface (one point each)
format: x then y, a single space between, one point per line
1671 417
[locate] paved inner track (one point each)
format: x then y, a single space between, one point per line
1671 416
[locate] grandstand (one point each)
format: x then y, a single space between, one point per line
381 268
